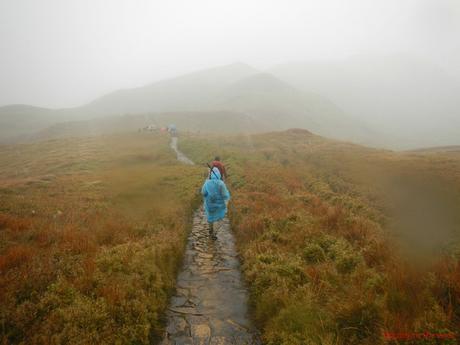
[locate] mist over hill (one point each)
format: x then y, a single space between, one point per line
413 102
192 91
237 97
220 122
18 120
397 102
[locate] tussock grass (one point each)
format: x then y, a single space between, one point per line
92 232
338 241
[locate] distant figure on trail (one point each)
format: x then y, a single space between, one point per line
219 165
172 129
216 197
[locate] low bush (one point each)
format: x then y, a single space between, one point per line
323 259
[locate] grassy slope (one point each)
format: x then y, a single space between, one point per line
327 258
92 231
206 122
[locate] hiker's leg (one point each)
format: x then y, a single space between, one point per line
211 231
217 225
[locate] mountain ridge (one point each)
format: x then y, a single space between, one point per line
263 101
370 101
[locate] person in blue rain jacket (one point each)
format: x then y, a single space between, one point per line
216 197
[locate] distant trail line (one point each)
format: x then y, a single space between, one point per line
210 304
180 156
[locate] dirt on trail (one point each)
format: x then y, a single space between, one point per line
210 303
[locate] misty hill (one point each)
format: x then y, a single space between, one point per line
218 122
265 102
189 92
439 149
413 102
278 105
18 120
236 97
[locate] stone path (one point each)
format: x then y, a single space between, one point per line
210 304
180 156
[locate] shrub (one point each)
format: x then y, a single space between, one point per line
346 264
360 323
313 253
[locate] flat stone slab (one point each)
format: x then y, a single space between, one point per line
201 334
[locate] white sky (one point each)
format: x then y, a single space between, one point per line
59 53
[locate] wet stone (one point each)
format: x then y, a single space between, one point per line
205 255
193 301
200 334
210 304
177 325
195 319
219 341
178 301
183 341
184 310
182 292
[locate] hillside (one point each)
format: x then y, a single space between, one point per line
342 244
92 234
278 105
191 92
251 101
439 149
214 121
397 102
411 101
21 120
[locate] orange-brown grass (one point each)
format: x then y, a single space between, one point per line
329 252
92 232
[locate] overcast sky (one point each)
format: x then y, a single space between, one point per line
60 53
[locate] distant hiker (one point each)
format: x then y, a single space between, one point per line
219 165
172 129
216 196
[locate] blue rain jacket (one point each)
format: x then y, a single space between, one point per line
215 195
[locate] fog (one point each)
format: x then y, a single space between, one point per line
61 53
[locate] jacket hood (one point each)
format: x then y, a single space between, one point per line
215 174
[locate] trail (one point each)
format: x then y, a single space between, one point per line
210 304
180 156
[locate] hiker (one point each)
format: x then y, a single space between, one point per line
216 196
219 165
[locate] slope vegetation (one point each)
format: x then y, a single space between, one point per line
92 232
340 243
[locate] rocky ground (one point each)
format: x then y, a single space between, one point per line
210 305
